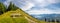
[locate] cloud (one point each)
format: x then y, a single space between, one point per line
22 3
43 6
28 6
43 11
53 1
46 7
54 7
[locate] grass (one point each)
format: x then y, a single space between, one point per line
13 20
6 17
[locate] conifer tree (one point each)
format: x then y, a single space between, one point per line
2 8
12 7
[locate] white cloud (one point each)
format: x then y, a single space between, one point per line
29 5
53 1
42 11
43 4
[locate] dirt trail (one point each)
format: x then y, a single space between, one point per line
29 20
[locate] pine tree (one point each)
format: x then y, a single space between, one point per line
2 8
15 7
12 7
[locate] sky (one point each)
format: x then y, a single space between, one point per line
2 0
36 6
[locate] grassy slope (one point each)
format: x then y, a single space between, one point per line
27 15
5 18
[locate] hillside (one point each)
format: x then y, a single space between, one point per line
8 18
13 17
13 14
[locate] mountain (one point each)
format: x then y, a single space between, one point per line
47 16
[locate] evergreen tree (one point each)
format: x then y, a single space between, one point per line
15 7
12 7
2 8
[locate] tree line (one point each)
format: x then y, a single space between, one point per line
4 8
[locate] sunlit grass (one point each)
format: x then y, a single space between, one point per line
13 20
6 17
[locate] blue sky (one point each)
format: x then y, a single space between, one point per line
37 6
2 0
